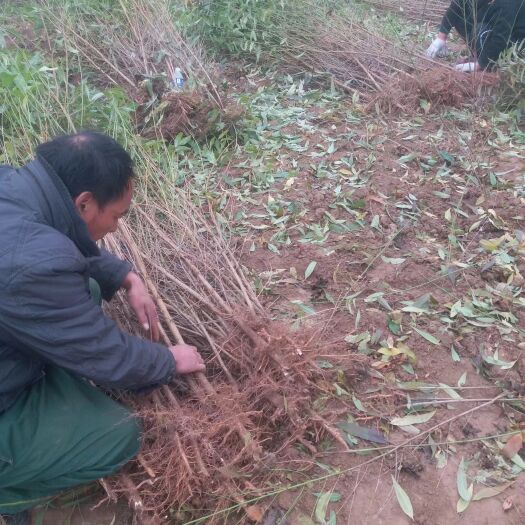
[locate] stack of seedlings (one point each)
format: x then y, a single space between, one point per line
217 436
139 48
391 76
331 41
416 10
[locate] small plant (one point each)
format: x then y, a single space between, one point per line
512 67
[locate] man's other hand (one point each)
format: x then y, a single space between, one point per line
438 48
187 359
142 304
467 67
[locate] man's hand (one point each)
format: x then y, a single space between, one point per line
467 67
187 359
438 48
142 304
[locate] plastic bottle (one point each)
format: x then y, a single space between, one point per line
178 79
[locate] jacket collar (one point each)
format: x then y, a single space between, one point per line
58 209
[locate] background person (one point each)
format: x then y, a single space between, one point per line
488 28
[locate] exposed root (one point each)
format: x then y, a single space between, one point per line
433 89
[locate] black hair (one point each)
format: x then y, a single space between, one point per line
89 161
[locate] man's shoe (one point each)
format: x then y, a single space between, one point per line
20 518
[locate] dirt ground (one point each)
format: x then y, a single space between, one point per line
425 242
353 262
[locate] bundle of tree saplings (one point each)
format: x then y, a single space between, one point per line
331 41
214 439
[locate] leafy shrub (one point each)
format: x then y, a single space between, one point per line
512 67
38 102
242 28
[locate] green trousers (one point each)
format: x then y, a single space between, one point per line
60 433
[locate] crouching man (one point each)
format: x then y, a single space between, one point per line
487 26
56 429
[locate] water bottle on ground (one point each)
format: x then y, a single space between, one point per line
178 79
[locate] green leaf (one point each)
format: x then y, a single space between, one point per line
447 157
322 506
373 297
368 434
489 492
462 505
403 499
358 404
407 158
309 269
463 490
495 361
334 497
394 327
455 355
308 310
427 336
333 518
450 391
462 380
412 419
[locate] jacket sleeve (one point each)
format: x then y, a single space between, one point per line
109 271
453 16
500 37
48 312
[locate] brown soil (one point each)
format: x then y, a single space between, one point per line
351 262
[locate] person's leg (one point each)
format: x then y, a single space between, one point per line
61 433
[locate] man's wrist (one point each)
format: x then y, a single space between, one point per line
130 279
442 36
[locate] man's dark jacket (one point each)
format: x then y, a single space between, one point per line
46 312
496 25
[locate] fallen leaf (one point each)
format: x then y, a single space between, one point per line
403 499
393 260
464 491
462 505
400 349
489 492
368 434
507 504
358 404
450 391
309 269
412 419
513 446
322 506
427 336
